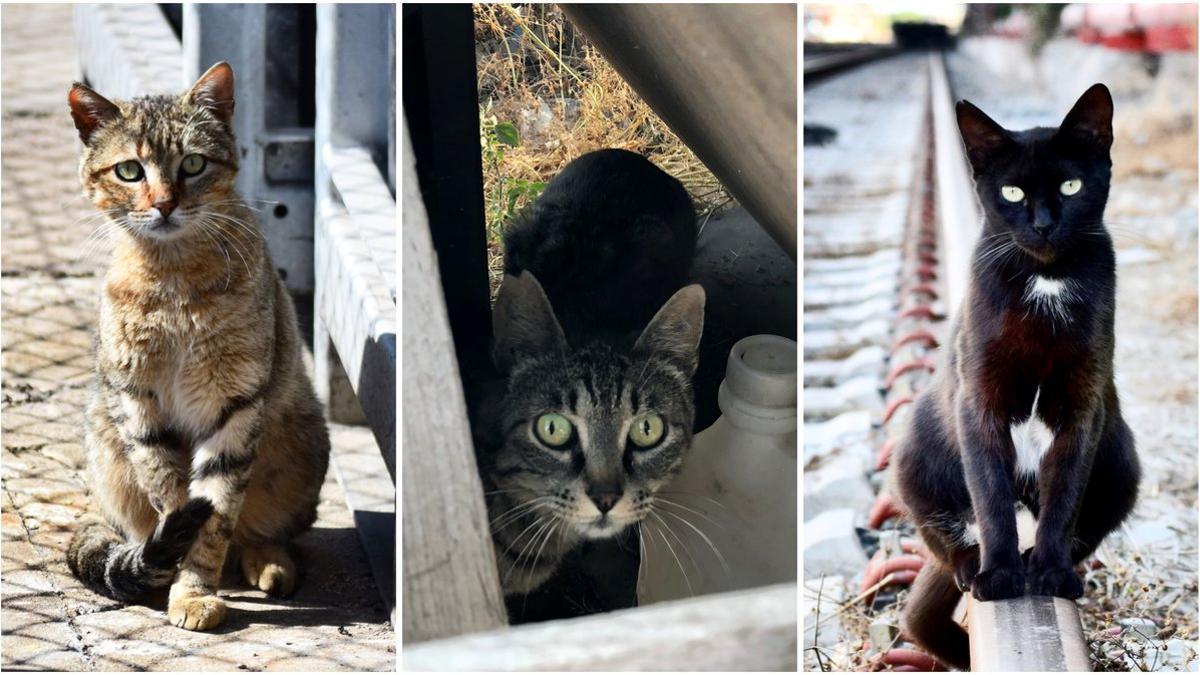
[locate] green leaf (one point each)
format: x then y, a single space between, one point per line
506 133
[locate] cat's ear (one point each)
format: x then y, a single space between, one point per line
89 110
1091 118
674 332
982 136
214 90
523 322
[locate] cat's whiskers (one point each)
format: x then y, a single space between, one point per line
520 511
204 221
207 233
208 227
100 233
556 524
682 545
686 579
667 502
706 498
544 522
536 523
237 223
705 537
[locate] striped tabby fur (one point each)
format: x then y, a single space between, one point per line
204 429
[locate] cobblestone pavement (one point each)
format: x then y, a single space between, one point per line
335 621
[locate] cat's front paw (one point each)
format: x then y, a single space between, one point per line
196 612
999 583
1060 582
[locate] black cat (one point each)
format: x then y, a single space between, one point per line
610 239
1023 411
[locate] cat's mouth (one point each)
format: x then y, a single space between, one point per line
1037 248
603 526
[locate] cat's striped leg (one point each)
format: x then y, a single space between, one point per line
157 454
221 467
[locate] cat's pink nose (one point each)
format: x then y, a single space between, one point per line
165 207
605 500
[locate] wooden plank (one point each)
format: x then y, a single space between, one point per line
1025 635
451 585
724 78
745 631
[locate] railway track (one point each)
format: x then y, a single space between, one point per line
823 61
887 245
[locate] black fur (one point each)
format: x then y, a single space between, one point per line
610 239
958 462
100 558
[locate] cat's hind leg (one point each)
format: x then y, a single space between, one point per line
1111 490
270 568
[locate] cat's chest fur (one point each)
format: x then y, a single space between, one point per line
1031 441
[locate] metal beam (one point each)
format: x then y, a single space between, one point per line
723 77
1029 634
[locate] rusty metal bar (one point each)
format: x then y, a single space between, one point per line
723 77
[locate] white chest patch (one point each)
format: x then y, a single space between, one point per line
1049 296
1032 439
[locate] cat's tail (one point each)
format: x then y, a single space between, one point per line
125 571
928 617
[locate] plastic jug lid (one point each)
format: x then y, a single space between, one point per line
762 371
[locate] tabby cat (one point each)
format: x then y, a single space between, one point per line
596 336
1023 411
204 429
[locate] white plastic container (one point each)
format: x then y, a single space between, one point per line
736 492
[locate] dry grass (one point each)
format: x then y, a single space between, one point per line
541 75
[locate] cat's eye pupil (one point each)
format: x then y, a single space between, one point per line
552 429
129 170
193 165
646 431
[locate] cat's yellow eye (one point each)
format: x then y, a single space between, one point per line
646 430
192 165
129 170
1070 187
1012 193
553 429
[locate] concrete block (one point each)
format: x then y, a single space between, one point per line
831 546
836 483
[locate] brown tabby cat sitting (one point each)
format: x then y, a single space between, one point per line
204 428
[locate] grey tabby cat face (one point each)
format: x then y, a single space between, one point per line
592 433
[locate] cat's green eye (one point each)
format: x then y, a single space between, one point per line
129 170
1070 187
553 429
1012 193
646 430
192 165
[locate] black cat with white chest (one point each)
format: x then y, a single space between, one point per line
1023 411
